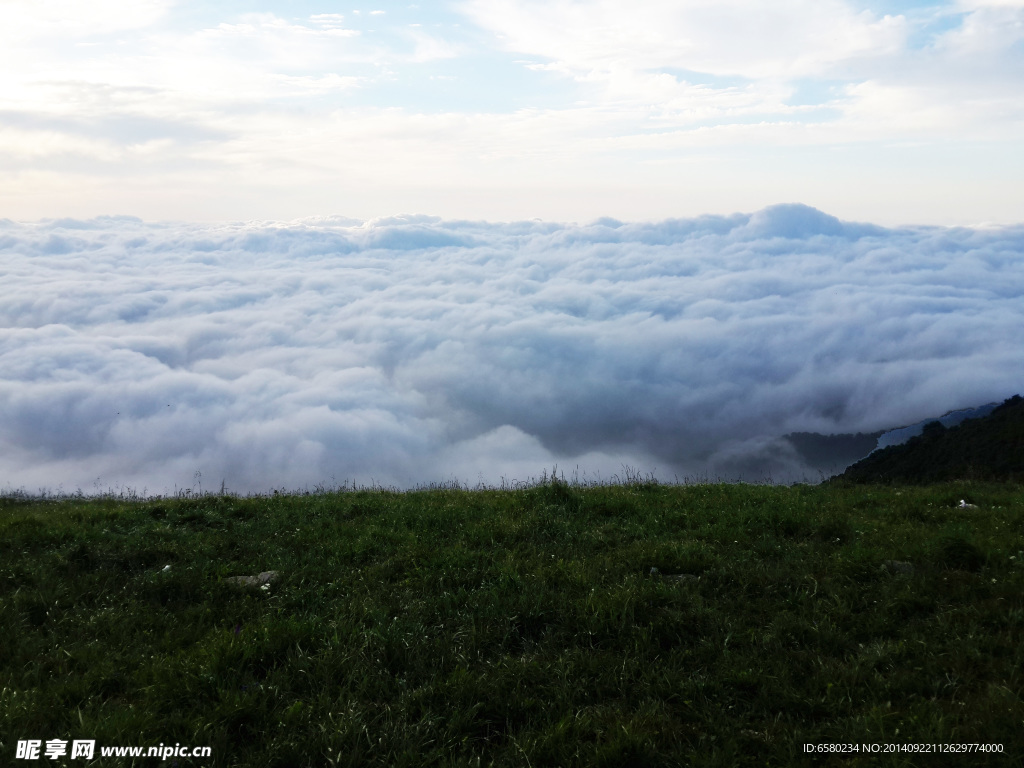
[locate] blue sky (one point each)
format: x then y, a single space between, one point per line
893 112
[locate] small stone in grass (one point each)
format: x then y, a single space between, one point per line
898 566
263 579
682 578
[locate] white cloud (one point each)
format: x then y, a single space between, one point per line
23 20
975 4
328 19
737 66
412 349
159 70
988 31
734 37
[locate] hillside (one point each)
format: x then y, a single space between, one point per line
637 625
987 448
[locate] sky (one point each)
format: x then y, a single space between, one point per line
285 245
896 112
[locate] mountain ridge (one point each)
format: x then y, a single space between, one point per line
990 447
833 453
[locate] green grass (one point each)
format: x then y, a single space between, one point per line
519 627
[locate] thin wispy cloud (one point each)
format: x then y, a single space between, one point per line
412 349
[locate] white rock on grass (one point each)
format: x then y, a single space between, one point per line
676 577
682 578
260 580
898 566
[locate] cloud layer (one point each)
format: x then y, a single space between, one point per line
411 349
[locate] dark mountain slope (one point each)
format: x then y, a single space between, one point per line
988 448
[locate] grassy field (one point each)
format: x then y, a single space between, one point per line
638 624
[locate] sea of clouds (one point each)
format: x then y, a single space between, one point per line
411 350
